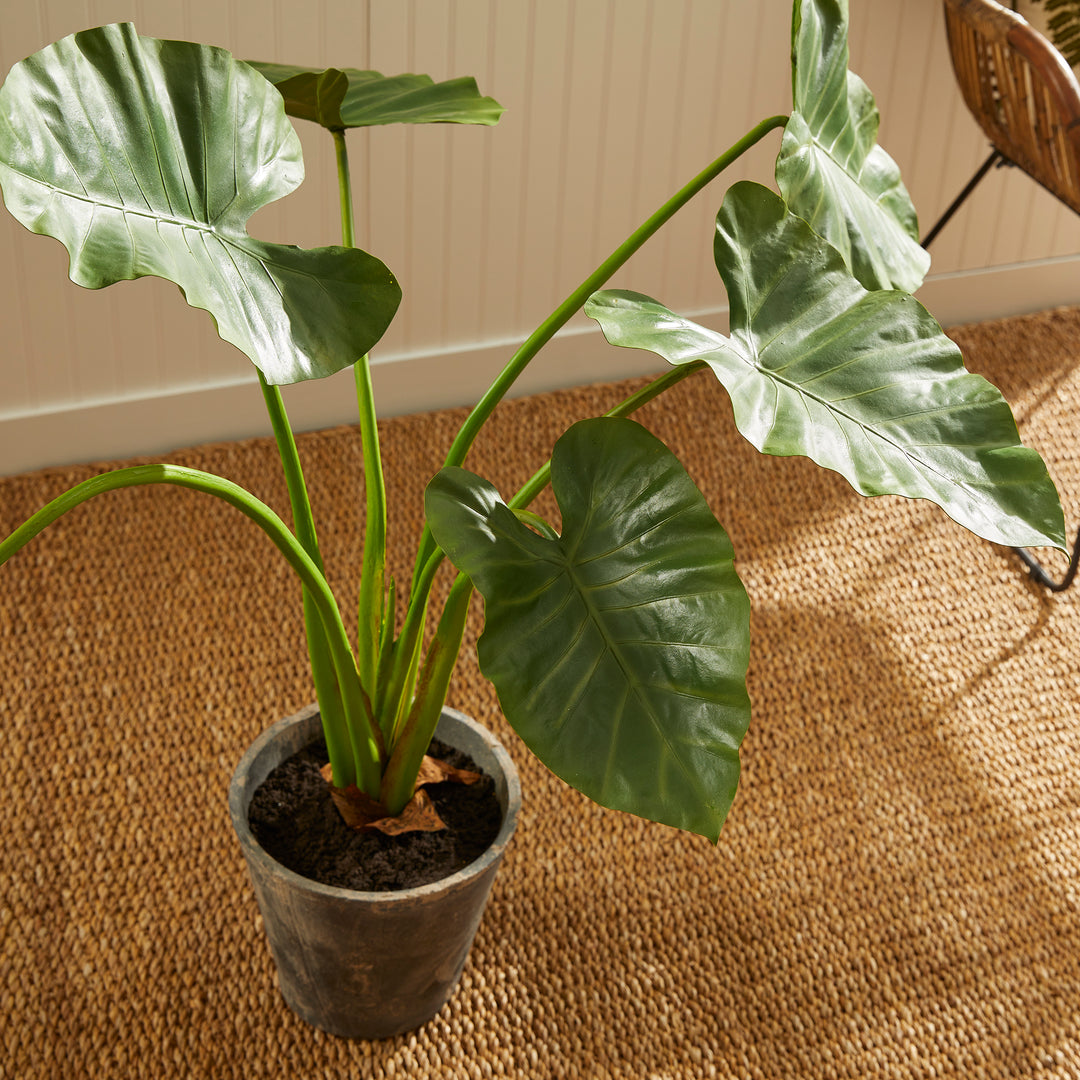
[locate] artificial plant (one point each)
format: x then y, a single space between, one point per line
618 642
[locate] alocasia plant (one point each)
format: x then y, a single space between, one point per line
618 645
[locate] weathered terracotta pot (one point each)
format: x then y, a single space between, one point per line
365 964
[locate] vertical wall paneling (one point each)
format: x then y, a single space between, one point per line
574 119
465 225
686 127
611 106
620 169
485 189
598 119
541 149
428 257
21 374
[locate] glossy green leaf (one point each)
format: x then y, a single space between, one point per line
619 650
147 157
831 170
348 98
865 383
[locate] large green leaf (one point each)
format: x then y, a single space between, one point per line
347 98
831 170
147 157
865 383
619 650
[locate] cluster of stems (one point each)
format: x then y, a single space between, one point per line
380 703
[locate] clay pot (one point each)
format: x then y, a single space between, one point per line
369 964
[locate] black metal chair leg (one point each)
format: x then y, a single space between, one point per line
1035 568
1039 574
995 158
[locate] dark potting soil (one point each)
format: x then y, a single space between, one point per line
295 821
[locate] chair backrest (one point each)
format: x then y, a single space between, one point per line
1020 90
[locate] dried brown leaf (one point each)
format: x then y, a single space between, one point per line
362 812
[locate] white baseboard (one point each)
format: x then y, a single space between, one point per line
154 425
108 430
968 296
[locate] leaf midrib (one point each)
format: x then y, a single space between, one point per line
120 208
232 239
866 428
636 686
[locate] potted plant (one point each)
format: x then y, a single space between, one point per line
618 638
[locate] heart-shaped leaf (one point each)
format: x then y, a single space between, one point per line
147 157
831 170
347 98
619 649
865 383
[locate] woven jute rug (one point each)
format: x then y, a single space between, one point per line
896 891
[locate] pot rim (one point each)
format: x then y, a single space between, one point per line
240 798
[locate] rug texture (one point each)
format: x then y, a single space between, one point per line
896 891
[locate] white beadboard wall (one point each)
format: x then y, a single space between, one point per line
610 108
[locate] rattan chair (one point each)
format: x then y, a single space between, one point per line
1027 101
1023 95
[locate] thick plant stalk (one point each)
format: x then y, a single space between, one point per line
372 599
373 572
399 779
431 688
356 708
401 676
345 756
339 743
576 300
542 477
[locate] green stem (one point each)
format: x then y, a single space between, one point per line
344 757
303 519
309 573
544 528
341 152
397 692
542 477
399 781
576 300
573 303
373 572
